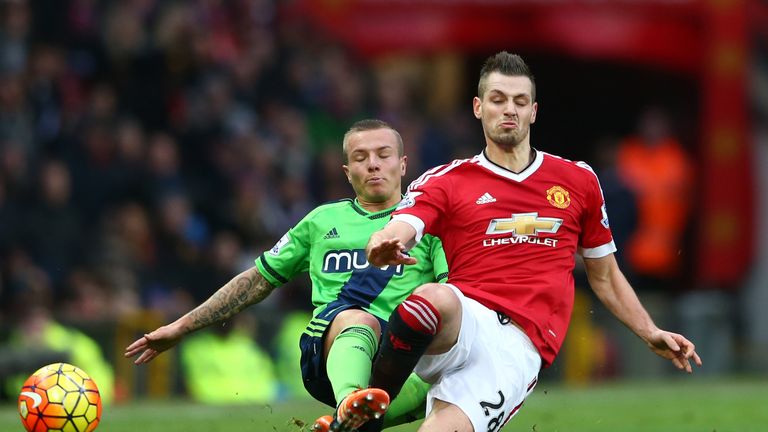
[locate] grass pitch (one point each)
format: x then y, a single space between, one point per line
679 405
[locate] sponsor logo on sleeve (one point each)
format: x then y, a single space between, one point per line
604 220
408 201
284 240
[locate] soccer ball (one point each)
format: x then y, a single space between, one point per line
60 397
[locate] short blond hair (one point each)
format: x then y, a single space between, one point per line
368 125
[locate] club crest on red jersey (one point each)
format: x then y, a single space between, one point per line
559 197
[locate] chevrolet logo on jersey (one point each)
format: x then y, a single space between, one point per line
524 224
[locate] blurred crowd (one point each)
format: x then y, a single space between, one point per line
149 150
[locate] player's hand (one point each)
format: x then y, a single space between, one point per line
383 252
675 347
152 344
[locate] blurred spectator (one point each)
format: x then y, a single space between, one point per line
126 241
224 258
656 167
246 209
15 167
17 135
93 166
224 365
14 33
182 236
10 214
164 166
288 127
36 327
137 67
52 226
288 355
130 169
287 204
46 70
657 170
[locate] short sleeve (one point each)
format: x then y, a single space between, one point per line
596 240
423 206
288 257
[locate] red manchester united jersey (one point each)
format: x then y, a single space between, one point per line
511 238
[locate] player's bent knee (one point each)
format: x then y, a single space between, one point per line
352 317
441 297
432 291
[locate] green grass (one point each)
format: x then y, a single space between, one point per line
679 405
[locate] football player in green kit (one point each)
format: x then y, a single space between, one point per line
352 299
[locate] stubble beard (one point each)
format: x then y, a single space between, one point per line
508 140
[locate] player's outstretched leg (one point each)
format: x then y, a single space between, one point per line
355 410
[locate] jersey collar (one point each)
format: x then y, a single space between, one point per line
518 177
379 214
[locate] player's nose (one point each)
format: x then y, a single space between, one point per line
510 110
374 164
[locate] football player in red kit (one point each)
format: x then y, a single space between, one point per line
511 220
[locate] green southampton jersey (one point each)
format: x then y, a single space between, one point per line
330 243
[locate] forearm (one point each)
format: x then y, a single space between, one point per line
615 292
245 289
394 230
389 245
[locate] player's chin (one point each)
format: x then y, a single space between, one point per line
510 138
377 193
378 189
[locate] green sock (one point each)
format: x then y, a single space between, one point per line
350 359
410 404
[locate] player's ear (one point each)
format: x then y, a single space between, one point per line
346 172
403 165
477 107
534 111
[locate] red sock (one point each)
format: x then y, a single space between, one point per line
419 314
411 328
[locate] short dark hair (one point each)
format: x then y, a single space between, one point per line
368 125
507 64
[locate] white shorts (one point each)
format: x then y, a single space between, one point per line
488 373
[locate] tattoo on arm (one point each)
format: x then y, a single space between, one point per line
245 289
